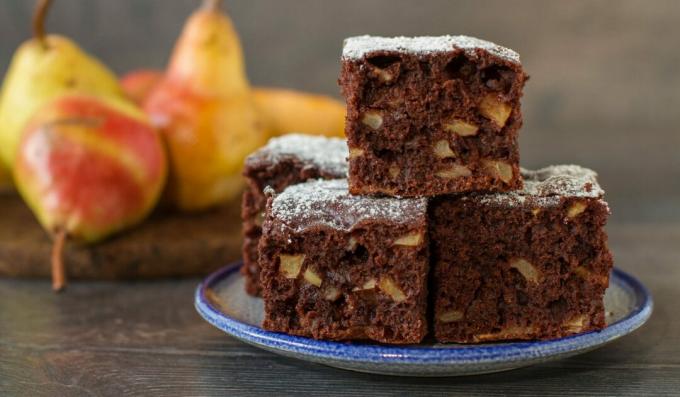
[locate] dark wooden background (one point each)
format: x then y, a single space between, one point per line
604 92
604 89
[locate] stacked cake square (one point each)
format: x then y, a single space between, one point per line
422 222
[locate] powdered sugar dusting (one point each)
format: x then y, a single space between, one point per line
327 154
360 46
327 203
562 180
548 185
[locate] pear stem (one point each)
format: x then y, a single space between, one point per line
212 5
58 270
39 15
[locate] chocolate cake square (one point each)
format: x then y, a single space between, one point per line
342 267
530 264
284 161
431 115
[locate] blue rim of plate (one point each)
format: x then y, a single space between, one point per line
417 354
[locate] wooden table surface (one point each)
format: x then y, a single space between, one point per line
145 339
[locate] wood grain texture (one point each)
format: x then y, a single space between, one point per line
145 339
166 245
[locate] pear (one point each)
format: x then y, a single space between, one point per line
137 84
205 110
88 167
41 69
286 111
282 110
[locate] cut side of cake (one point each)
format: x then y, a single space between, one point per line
431 115
530 264
284 161
342 267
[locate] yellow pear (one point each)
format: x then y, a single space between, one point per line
287 111
207 56
41 69
205 110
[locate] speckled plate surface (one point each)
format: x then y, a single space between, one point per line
221 300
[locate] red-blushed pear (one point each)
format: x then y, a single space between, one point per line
137 84
282 110
204 108
88 167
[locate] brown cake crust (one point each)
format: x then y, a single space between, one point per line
531 264
430 116
342 267
284 161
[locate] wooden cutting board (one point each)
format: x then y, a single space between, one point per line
166 245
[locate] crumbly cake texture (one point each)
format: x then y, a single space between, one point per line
342 267
431 115
284 161
530 264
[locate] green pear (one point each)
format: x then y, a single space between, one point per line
41 69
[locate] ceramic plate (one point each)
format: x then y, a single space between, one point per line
221 300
